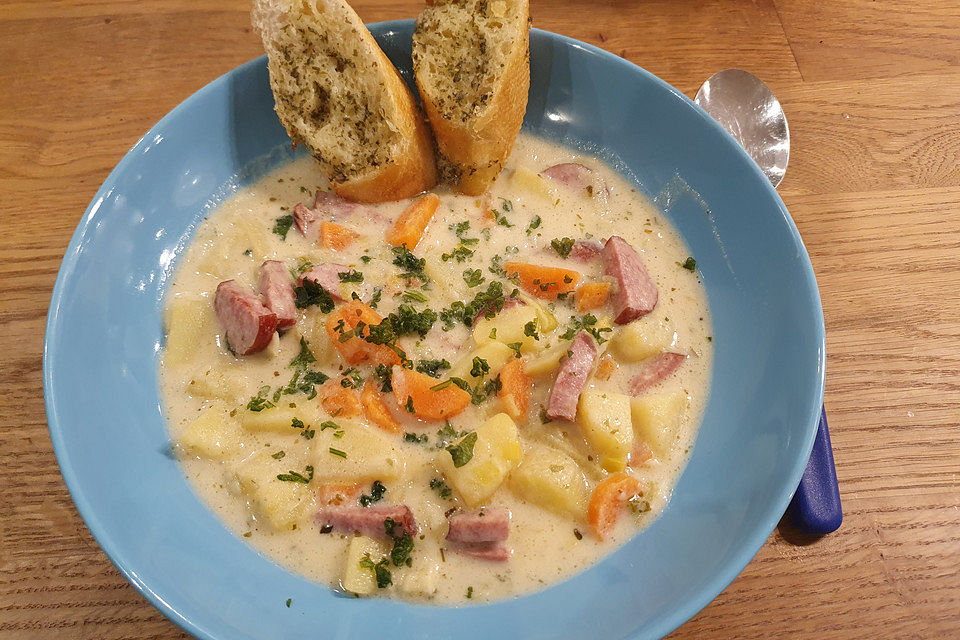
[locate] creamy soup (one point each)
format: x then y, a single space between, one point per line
516 412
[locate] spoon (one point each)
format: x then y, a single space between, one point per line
743 105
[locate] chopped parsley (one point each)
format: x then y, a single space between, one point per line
501 218
365 259
383 372
289 600
534 224
473 277
433 367
375 298
563 246
516 348
409 405
309 293
352 379
259 402
530 329
442 488
490 301
585 323
415 439
376 494
350 276
414 296
469 593
293 476
690 264
282 226
462 452
410 265
380 571
303 358
460 253
480 367
278 455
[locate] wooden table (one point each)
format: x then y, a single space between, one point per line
872 93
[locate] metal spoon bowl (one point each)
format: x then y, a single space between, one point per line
748 110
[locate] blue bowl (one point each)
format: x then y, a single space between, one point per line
104 333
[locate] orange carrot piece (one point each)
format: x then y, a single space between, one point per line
376 410
514 390
606 367
415 390
409 227
356 350
608 500
328 494
341 402
592 295
543 282
336 236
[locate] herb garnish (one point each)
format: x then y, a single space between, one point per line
415 439
516 348
376 494
442 488
490 301
339 453
282 226
259 402
530 329
585 323
534 224
690 264
293 476
278 455
350 276
411 265
462 452
413 296
473 277
433 367
309 293
480 367
303 358
380 571
563 246
402 544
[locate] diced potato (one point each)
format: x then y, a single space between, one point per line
604 419
214 385
548 321
553 480
276 420
214 434
495 353
370 454
656 418
526 180
643 338
357 579
547 360
423 578
509 325
281 504
495 453
189 323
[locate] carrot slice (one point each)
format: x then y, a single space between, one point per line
328 494
415 392
606 367
336 236
356 350
607 502
514 390
409 227
543 282
341 402
376 410
592 295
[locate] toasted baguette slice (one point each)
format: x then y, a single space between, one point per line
472 64
338 94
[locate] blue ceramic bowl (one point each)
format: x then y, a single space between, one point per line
104 333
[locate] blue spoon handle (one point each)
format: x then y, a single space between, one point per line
815 507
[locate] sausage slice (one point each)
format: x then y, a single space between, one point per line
572 378
276 287
247 324
637 293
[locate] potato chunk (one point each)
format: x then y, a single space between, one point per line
281 504
526 180
494 353
604 419
509 326
188 323
547 360
656 418
275 420
553 480
358 579
215 385
643 338
368 454
213 435
495 453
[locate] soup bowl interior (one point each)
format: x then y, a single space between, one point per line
105 332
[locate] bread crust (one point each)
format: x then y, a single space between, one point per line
411 167
472 154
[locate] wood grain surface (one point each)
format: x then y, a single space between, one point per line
872 92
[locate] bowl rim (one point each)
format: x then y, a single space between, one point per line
670 622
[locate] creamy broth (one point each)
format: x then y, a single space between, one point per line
200 377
